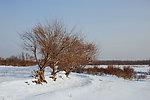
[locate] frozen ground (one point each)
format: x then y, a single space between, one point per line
76 87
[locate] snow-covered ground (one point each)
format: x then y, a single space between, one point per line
76 87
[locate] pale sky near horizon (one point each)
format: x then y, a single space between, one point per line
120 28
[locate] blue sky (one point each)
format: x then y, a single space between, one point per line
120 28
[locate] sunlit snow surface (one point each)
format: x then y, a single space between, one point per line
76 87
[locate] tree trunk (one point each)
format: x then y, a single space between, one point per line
67 73
53 72
41 77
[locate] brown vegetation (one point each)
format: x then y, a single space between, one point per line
21 60
126 72
16 62
120 62
54 46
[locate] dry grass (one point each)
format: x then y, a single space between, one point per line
138 77
126 72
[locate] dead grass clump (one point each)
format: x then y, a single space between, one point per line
138 77
79 70
114 71
126 72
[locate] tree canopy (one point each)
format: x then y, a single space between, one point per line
55 46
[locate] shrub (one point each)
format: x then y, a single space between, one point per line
126 72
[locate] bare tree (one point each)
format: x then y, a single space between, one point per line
79 55
54 46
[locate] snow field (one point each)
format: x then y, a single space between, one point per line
76 87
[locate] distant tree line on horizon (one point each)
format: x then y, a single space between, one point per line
120 62
25 60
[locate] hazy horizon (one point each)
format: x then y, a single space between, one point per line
120 28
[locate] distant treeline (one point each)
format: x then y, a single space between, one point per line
25 60
120 62
16 62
